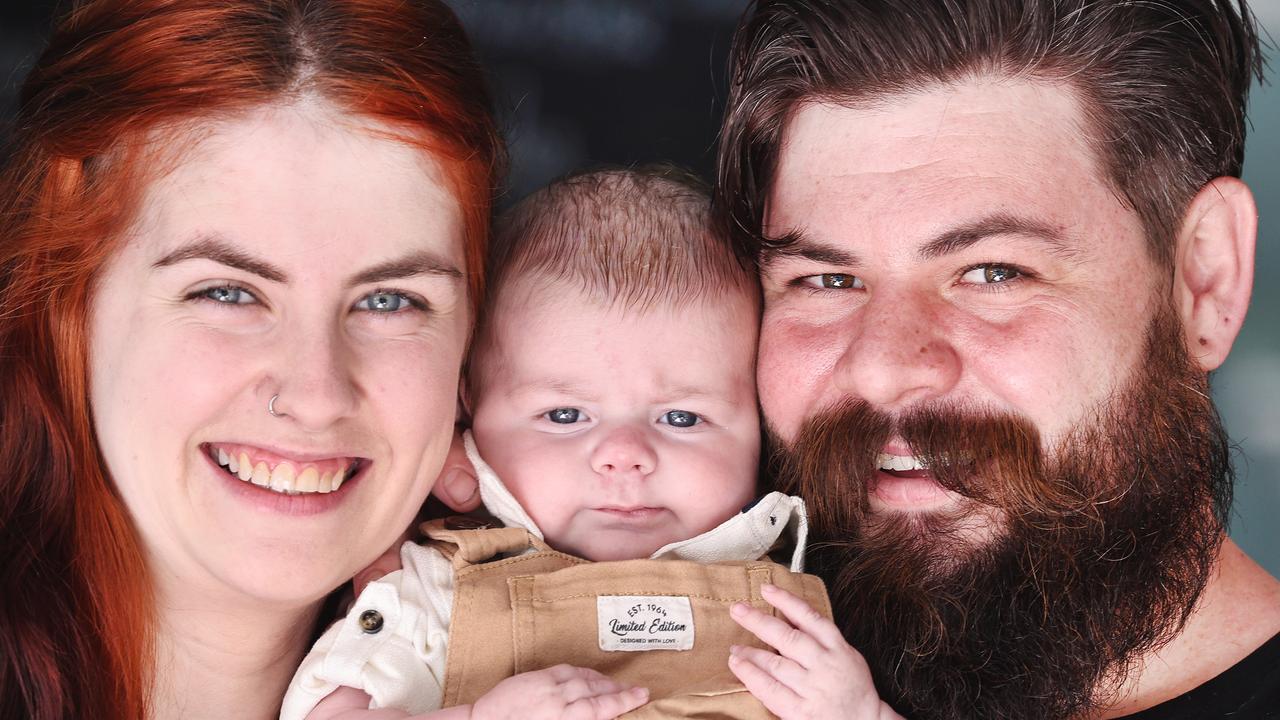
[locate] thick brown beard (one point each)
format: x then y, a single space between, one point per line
1101 548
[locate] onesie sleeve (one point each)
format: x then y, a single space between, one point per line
392 644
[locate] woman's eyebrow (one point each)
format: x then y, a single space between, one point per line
422 262
217 249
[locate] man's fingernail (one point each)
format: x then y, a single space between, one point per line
738 609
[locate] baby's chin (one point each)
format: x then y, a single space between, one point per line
612 550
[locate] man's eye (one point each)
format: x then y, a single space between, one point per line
228 295
680 418
833 281
564 416
384 302
991 274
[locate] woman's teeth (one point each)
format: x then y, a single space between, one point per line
285 478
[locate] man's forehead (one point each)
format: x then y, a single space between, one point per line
1001 142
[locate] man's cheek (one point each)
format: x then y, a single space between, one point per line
794 371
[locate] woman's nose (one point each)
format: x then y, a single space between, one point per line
315 370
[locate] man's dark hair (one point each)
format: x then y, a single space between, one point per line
1163 85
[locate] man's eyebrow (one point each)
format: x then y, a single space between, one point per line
422 262
215 248
796 244
959 238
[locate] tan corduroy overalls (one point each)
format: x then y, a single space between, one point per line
518 612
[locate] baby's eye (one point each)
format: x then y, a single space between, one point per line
564 416
991 274
833 281
227 295
384 301
680 418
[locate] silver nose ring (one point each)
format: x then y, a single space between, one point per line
271 406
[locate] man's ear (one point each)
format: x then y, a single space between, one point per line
1213 274
457 486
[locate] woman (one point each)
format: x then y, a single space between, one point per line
240 248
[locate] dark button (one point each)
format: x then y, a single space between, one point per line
371 621
464 522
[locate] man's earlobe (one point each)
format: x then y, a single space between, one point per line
1213 276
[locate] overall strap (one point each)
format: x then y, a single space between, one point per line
466 542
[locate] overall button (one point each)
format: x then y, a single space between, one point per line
371 621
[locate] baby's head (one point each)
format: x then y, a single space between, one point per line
612 381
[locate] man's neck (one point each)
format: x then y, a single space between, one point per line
1238 611
220 659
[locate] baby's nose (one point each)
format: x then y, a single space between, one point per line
624 451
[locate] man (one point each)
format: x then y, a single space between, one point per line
1002 244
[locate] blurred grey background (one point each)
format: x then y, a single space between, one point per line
584 82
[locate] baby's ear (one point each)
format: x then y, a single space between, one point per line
457 486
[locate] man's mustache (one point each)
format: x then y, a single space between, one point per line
991 457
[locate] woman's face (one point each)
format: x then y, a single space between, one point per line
287 254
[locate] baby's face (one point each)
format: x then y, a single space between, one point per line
620 431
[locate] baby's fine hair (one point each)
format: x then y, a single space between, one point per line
636 238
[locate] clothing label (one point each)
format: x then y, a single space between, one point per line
630 623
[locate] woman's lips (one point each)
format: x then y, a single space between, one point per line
281 501
283 474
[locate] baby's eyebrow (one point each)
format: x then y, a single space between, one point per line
688 392
558 386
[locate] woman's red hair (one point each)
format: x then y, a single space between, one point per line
119 84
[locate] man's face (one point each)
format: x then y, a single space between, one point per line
962 359
951 251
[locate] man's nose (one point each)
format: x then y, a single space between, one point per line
315 370
624 451
898 352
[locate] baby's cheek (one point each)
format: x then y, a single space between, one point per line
716 488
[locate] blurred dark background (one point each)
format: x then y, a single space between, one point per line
576 82
584 82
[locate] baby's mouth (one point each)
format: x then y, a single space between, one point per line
286 477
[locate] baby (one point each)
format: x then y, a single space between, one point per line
612 392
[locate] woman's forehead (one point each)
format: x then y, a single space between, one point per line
294 179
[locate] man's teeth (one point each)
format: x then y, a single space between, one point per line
284 478
900 463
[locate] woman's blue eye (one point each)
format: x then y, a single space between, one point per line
681 418
564 416
228 295
384 302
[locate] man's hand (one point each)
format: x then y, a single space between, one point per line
814 674
561 691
